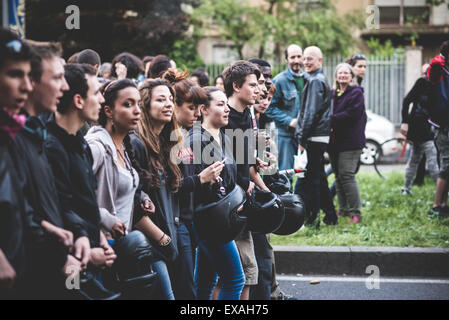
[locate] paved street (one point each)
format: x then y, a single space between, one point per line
357 288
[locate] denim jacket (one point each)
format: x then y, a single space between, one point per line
285 104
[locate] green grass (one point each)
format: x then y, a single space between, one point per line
389 218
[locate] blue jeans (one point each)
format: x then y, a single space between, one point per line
163 288
182 275
218 260
287 149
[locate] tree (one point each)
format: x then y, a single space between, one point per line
281 22
143 27
437 2
235 20
313 23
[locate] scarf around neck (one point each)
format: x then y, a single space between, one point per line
11 123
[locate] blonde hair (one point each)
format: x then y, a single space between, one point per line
353 82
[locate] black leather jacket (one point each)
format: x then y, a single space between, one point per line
40 193
315 113
166 216
71 161
12 207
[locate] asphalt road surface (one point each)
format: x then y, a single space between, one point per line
363 288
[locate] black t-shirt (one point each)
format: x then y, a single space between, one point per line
243 143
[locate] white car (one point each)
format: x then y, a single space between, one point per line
378 130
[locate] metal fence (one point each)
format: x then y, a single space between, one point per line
384 83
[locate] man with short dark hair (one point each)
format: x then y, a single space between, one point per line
90 57
242 89
71 162
47 241
15 87
265 69
285 105
200 77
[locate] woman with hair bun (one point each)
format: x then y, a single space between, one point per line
189 97
211 147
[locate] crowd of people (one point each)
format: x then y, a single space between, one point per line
133 179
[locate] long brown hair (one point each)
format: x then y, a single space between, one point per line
160 148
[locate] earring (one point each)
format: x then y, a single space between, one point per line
113 126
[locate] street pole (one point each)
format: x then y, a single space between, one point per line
5 11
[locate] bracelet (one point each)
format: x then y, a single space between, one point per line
166 243
161 238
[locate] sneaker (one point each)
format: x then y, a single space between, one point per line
438 211
445 209
284 296
331 221
406 192
313 225
355 219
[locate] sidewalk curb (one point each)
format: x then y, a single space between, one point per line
391 261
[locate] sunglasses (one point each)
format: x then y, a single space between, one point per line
358 56
14 46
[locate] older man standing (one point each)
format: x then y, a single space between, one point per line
312 133
285 105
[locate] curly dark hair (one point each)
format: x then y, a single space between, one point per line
133 64
158 66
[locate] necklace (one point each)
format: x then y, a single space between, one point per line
125 161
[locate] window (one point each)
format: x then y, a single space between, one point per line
413 15
417 15
389 15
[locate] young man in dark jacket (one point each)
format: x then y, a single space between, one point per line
47 243
312 134
418 130
242 88
15 86
71 162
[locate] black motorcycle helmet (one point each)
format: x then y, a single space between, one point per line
277 183
265 212
294 214
218 222
132 273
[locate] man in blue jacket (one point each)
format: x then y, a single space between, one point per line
284 107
